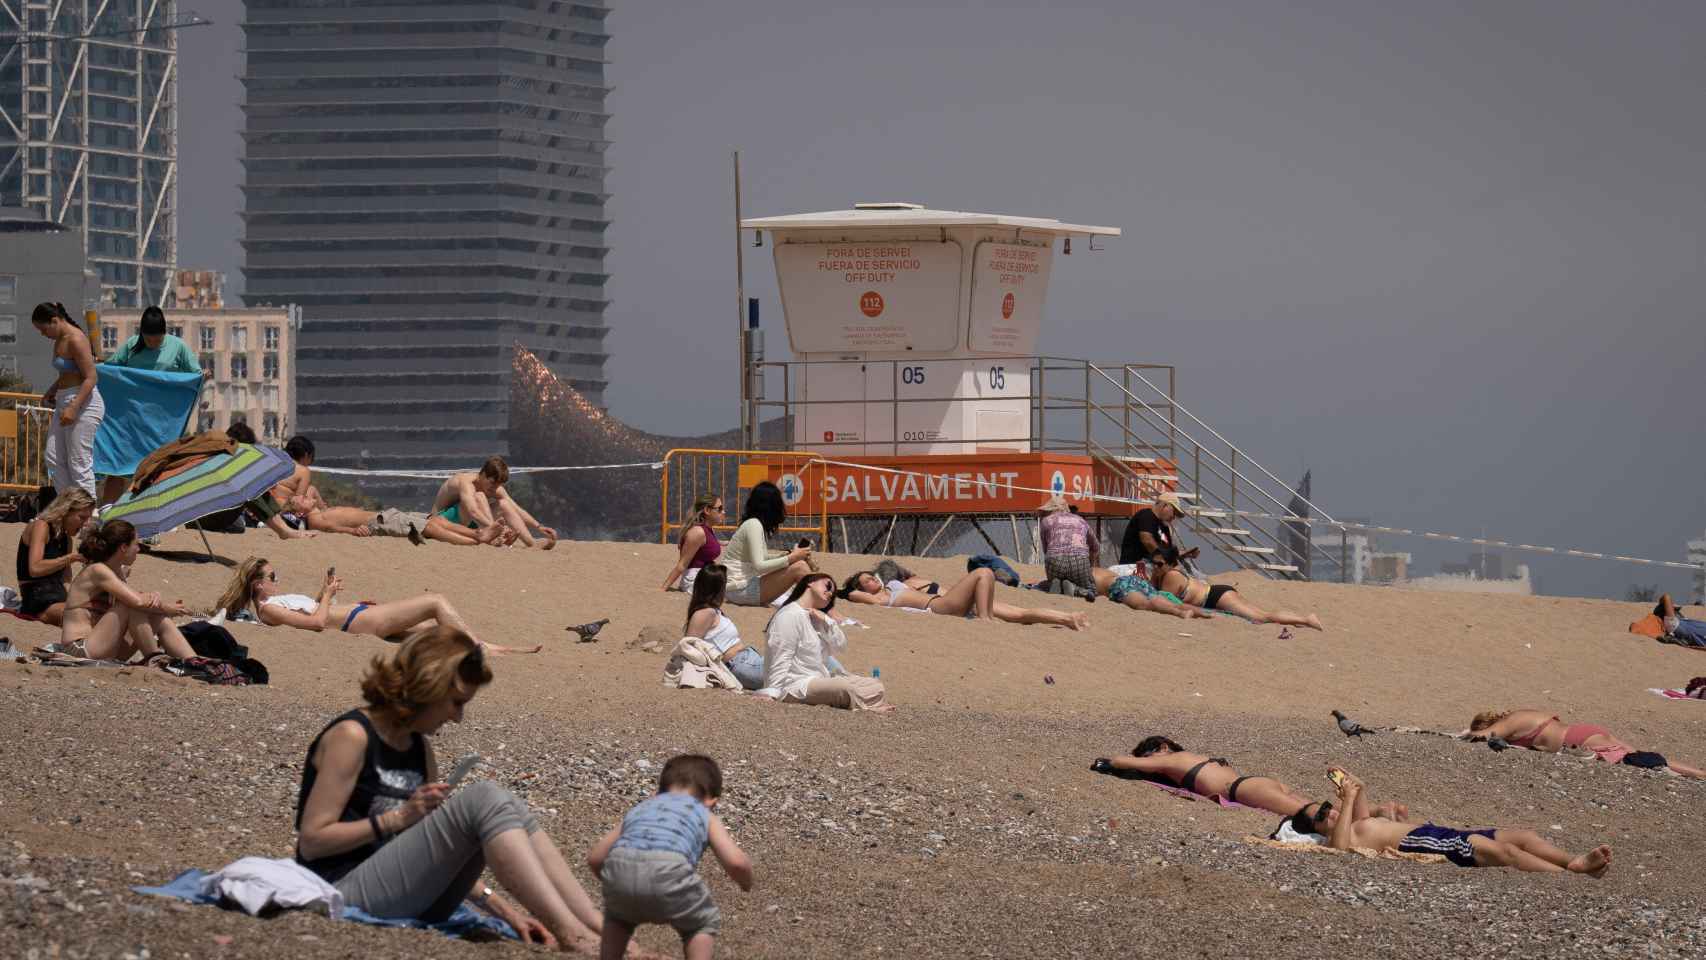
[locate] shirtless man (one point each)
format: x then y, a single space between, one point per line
473 508
1491 847
1161 760
304 505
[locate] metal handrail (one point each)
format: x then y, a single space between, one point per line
1216 476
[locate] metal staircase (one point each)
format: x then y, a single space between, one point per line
1138 431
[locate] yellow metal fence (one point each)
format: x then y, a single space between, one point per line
729 474
23 442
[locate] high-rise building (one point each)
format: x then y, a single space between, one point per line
88 131
425 178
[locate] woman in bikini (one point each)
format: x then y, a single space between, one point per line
975 592
1545 732
107 620
254 587
1165 574
78 409
1160 760
45 555
698 542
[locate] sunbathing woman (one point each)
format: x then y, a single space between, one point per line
255 587
107 620
45 555
975 592
1539 730
1165 574
1160 760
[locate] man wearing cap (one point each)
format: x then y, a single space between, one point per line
1151 529
155 349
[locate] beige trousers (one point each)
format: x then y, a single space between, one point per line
848 693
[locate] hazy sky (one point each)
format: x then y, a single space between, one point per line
1449 256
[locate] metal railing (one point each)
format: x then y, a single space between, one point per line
728 474
1112 413
23 441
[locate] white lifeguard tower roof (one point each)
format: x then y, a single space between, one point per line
914 215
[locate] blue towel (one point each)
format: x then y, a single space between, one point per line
466 920
146 409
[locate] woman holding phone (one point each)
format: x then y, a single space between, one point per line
755 577
374 820
254 587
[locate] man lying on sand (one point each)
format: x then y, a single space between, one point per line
1490 847
474 508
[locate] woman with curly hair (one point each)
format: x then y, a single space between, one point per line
374 819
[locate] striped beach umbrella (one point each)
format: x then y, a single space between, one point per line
221 482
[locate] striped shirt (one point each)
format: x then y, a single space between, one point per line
677 822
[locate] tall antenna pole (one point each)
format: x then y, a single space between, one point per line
747 427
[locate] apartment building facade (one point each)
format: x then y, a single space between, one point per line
247 359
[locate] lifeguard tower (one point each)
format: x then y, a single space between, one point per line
918 379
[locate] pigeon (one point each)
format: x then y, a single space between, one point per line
1349 727
588 631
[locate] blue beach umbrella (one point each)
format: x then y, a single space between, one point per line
221 482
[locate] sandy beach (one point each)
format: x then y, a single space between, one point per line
967 824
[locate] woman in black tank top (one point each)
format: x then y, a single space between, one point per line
374 820
45 556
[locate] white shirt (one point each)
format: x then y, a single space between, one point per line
299 602
797 648
723 635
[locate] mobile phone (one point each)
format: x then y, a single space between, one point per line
463 767
330 571
1337 776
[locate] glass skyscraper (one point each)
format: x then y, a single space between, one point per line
425 178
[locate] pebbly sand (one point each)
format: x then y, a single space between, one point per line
966 825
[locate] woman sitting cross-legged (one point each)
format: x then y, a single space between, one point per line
104 618
800 645
974 593
254 587
45 555
706 621
374 819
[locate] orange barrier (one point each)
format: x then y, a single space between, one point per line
23 443
688 472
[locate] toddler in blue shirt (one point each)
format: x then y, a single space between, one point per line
649 863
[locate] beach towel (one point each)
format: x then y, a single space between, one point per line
146 409
1188 795
189 886
1368 852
